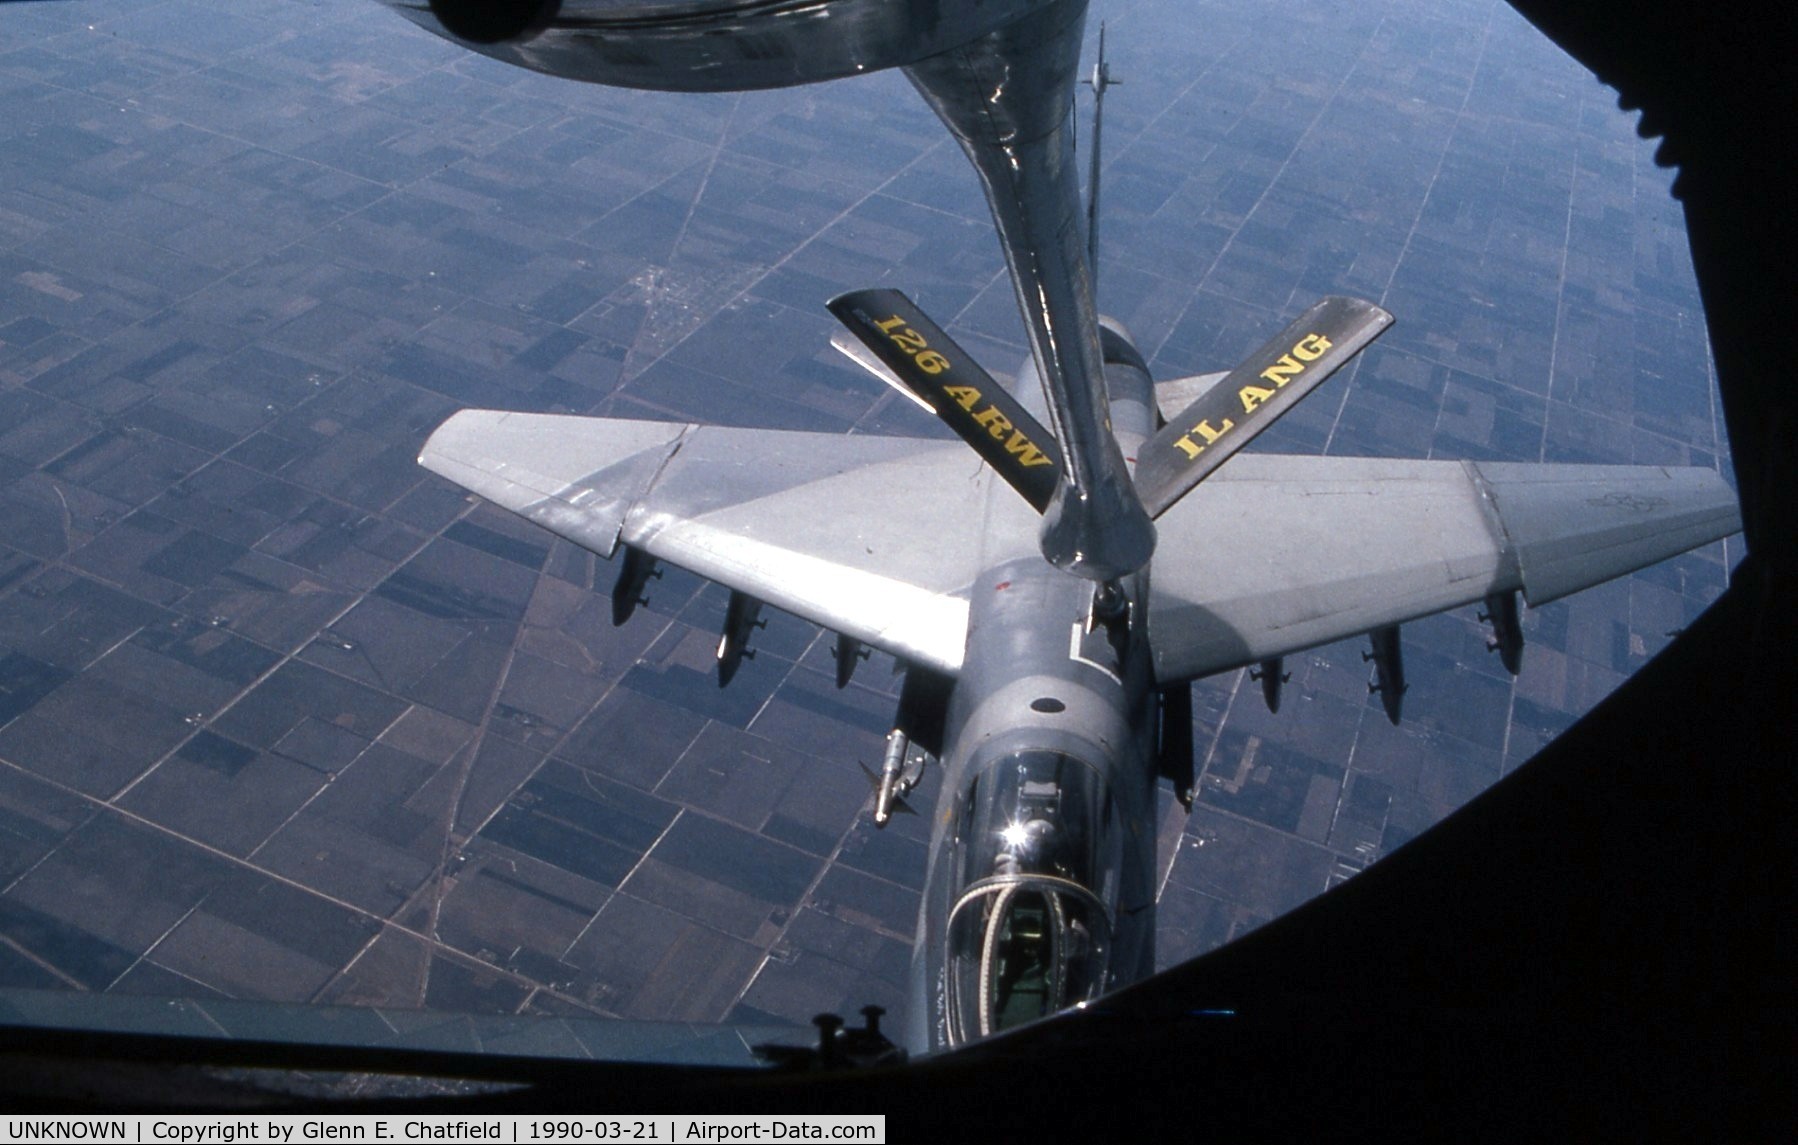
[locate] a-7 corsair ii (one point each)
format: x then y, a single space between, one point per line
1051 606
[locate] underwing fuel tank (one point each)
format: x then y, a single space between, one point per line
709 45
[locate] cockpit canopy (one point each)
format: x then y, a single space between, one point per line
1038 851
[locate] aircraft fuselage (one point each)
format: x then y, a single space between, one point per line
1040 888
1039 893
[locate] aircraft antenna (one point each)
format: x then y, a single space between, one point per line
1098 81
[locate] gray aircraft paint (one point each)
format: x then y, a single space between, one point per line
1043 674
905 545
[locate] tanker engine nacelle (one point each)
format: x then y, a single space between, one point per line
711 45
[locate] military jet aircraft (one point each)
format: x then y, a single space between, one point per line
1051 599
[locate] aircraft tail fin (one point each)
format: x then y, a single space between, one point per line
1173 395
1229 414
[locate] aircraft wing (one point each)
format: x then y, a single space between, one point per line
1276 554
861 535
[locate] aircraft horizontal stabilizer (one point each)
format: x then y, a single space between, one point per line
956 388
847 532
1286 553
1229 414
1173 395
